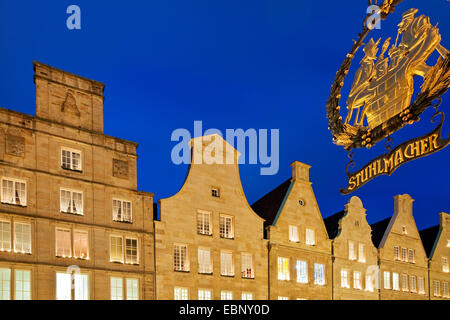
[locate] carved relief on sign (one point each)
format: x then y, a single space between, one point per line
120 169
15 145
70 104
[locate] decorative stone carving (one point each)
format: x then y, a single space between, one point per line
70 104
120 169
15 145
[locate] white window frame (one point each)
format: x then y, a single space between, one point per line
421 285
404 254
293 233
357 280
445 267
411 256
396 253
395 281
351 250
344 279
204 228
361 253
204 294
57 244
180 293
111 258
436 288
226 295
75 246
226 263
319 274
178 263
131 292
310 237
72 151
13 201
302 271
22 286
204 260
5 283
16 242
247 296
73 283
223 230
404 282
247 267
116 288
283 269
5 236
121 216
445 289
80 211
131 260
387 279
413 283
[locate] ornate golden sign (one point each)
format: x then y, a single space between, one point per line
379 102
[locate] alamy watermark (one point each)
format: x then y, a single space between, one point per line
74 20
374 20
256 142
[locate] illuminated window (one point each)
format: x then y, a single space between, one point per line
5 284
131 251
301 202
116 288
226 227
444 264
247 266
116 249
5 236
204 294
282 298
63 243
71 201
215 192
396 253
357 280
404 282
413 283
64 289
122 210
22 237
283 268
180 293
302 271
226 263
293 233
71 159
404 231
445 289
387 280
132 289
180 257
204 223
226 295
404 255
421 285
411 256
204 261
247 296
319 274
351 251
310 237
436 288
14 192
370 282
344 279
395 281
361 253
23 285
80 244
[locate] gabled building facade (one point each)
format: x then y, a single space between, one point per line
299 247
70 210
209 242
436 241
355 258
402 259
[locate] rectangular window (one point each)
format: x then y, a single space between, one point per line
436 288
344 279
283 298
180 257
445 289
180 293
302 271
14 192
226 227
215 192
226 263
283 268
319 274
411 255
5 236
5 284
71 159
64 290
71 201
122 210
361 253
370 282
413 283
204 223
421 285
387 280
396 253
226 295
395 281
204 261
204 294
116 249
351 251
116 288
63 243
444 264
404 282
80 244
132 289
357 280
23 285
131 251
247 266
81 287
247 296
22 237
404 255
293 233
310 237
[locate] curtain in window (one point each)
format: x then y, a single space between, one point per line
77 203
80 244
204 261
63 243
63 286
5 235
226 259
64 201
81 287
8 191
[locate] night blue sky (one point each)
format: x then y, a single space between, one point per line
232 64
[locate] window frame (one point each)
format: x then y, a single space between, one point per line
137 250
223 270
71 191
111 236
30 237
57 228
223 235
186 266
14 180
2 241
122 216
71 150
283 269
244 273
210 224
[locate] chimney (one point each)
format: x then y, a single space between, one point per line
403 204
300 171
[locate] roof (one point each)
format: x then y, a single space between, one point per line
267 207
332 224
429 237
378 229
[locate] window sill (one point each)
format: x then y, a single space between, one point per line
24 253
117 262
204 234
182 271
123 221
227 276
206 273
248 278
73 170
232 238
73 214
15 205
